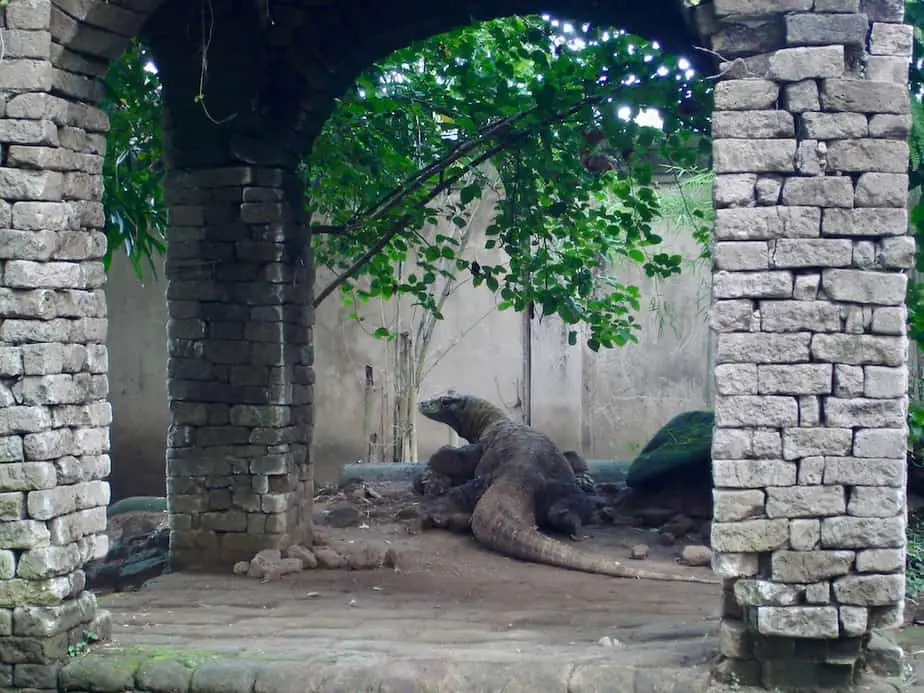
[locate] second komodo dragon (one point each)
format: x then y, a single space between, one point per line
516 462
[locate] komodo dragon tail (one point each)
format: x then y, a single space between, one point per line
514 534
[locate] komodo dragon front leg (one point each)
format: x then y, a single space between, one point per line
453 511
564 507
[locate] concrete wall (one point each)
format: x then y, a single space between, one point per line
137 380
606 404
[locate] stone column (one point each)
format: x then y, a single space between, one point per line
240 377
811 255
54 414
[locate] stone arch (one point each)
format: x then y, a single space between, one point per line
809 150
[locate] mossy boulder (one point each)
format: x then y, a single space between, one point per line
135 504
679 453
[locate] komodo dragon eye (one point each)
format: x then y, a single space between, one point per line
447 400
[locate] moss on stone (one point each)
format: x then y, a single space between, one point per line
680 450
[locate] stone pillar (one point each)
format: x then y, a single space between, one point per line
240 376
54 414
811 255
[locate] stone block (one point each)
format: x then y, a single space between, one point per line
897 252
11 446
865 221
802 96
732 444
848 380
833 126
837 5
804 535
869 590
24 74
741 255
882 190
67 529
820 191
875 501
766 593
749 536
753 474
819 29
748 410
866 471
798 621
805 501
810 566
805 287
745 94
887 38
862 532
48 561
881 617
889 126
809 442
885 383
883 68
859 349
736 379
768 190
735 565
22 184
811 252
794 379
818 593
883 10
27 476
853 620
859 286
762 348
734 189
866 155
758 7
754 124
732 506
790 64
811 158
864 413
889 320
767 223
811 470
747 156
879 442
880 561
864 96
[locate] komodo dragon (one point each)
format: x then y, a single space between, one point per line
516 462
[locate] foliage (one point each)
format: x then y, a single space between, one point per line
136 219
538 103
542 109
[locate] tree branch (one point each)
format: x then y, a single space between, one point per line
416 181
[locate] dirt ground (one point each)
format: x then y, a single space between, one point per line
451 598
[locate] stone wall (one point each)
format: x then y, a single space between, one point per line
239 368
54 414
811 252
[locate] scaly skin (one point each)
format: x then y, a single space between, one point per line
517 461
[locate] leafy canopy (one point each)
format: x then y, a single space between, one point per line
548 107
553 113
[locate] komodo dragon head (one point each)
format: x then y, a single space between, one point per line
467 415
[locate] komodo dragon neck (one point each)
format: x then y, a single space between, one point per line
467 415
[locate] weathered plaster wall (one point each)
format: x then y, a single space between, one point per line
137 377
606 404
